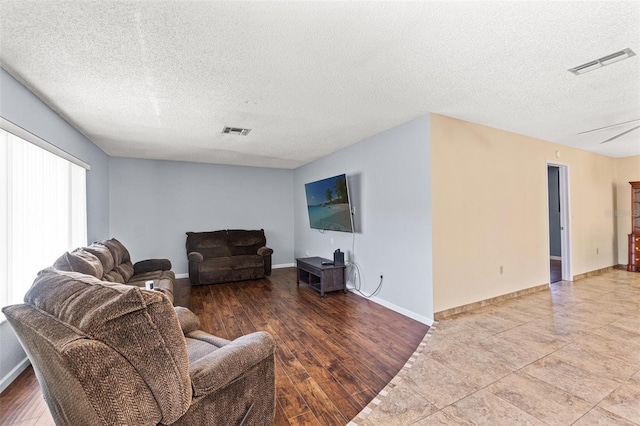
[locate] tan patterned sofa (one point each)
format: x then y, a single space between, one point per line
109 260
107 353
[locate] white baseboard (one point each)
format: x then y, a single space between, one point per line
185 275
555 257
396 308
15 372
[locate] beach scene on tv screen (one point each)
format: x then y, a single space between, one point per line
328 204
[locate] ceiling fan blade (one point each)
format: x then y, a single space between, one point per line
621 134
611 125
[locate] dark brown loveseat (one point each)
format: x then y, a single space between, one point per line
226 256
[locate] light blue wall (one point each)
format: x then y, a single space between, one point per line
21 107
390 188
154 203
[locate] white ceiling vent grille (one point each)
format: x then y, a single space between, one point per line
604 61
236 131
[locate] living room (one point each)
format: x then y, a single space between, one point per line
439 203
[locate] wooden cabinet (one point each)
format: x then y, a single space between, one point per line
634 237
634 253
321 274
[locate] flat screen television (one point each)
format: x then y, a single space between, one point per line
328 204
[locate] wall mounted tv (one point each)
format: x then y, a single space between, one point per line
328 204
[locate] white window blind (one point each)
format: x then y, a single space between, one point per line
42 213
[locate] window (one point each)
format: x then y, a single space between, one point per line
42 209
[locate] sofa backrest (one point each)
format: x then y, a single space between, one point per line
209 244
233 242
243 242
80 261
103 254
122 345
107 260
50 345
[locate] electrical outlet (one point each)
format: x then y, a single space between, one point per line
501 269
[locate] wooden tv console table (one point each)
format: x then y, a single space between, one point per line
327 277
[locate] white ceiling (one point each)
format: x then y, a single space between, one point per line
160 79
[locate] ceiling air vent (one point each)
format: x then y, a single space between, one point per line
604 61
236 131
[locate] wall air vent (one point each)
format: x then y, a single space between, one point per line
604 61
236 131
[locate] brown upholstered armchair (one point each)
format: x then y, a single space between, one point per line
113 354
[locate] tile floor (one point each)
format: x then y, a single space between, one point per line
568 355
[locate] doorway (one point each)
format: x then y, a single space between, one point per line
559 226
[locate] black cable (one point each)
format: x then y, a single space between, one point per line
357 274
375 292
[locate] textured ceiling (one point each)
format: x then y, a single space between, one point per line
160 79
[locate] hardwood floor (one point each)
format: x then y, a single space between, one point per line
22 404
333 355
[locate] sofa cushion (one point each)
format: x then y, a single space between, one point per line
216 264
198 349
80 261
103 253
222 251
151 275
243 242
247 261
119 251
151 265
209 244
162 281
125 270
139 325
114 277
217 269
188 320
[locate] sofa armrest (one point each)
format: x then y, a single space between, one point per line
151 265
195 256
187 319
265 251
222 366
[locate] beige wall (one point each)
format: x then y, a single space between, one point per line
489 198
627 170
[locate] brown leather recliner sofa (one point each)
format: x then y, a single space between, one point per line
107 353
227 255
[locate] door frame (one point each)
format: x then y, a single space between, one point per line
565 218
